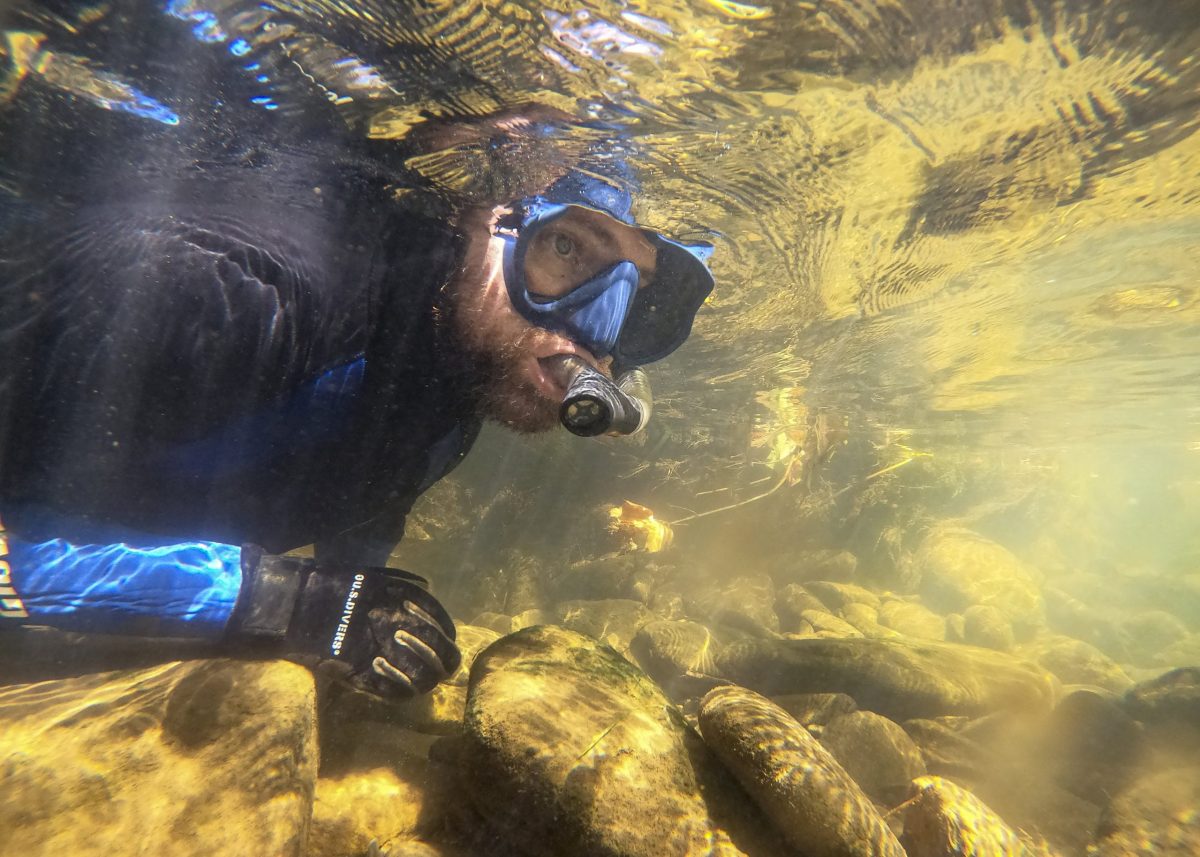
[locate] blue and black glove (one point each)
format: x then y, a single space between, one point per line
379 627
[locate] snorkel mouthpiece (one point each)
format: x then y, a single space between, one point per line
596 405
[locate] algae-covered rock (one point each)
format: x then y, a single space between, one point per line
876 752
1156 817
988 627
959 569
570 749
203 757
945 820
900 679
912 620
614 620
802 789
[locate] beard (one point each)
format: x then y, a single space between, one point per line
488 371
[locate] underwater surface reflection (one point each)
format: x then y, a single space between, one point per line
906 561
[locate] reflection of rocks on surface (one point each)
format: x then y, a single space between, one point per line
571 750
800 786
207 757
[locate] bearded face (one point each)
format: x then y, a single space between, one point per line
508 363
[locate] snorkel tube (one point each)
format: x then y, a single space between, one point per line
595 404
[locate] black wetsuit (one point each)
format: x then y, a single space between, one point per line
217 327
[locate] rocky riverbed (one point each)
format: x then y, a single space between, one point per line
631 707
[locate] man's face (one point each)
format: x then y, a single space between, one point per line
514 361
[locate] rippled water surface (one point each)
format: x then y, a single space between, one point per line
957 255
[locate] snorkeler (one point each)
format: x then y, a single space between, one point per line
214 353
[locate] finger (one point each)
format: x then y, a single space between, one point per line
401 574
408 637
397 678
418 647
423 606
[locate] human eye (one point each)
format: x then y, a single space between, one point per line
563 244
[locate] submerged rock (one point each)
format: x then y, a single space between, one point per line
987 627
669 648
959 569
900 679
815 709
1092 747
865 618
1169 705
836 596
912 620
799 785
1150 633
1077 662
570 749
743 602
790 604
1174 695
837 565
196 758
827 625
614 621
1156 817
945 820
876 753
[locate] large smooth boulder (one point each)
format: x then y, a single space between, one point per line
802 789
570 749
899 679
185 758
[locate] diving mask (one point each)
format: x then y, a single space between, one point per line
567 268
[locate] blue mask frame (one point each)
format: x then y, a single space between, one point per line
608 314
593 313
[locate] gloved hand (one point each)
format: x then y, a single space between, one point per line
380 626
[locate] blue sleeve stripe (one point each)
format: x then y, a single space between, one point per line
187 588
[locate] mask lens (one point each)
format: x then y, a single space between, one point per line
568 247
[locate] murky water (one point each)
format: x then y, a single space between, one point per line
953 358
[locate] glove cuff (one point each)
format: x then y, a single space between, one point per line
271 589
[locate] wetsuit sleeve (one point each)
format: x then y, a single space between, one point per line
186 589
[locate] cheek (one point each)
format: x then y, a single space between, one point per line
491 319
